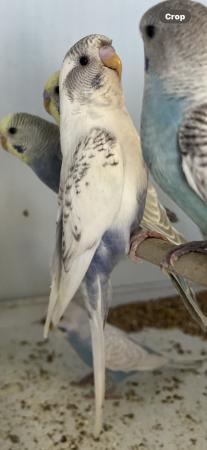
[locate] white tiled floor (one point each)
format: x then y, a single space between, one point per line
40 410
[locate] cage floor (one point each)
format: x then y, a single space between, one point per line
41 410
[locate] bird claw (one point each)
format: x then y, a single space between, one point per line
140 237
176 253
169 261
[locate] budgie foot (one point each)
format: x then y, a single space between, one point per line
85 381
140 237
181 250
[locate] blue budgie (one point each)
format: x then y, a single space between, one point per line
174 115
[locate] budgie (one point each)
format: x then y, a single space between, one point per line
174 114
36 142
102 189
124 356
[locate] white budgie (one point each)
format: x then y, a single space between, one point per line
102 188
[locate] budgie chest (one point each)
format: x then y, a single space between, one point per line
48 170
162 116
111 186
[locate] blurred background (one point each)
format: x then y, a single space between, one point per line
35 35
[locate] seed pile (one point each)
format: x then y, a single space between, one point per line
163 313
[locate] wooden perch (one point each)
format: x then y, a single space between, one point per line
192 266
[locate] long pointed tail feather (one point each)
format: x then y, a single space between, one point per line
96 310
189 300
97 335
63 291
184 364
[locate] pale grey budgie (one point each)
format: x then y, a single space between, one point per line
124 356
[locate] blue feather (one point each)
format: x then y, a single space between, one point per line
161 118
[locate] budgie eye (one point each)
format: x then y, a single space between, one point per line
12 130
84 60
150 31
56 90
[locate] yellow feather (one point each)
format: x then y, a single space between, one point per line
51 101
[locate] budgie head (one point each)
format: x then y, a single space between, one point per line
51 96
175 50
26 136
91 73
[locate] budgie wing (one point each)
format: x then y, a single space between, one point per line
92 193
90 196
125 355
192 137
156 219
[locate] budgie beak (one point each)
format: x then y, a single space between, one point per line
3 142
110 59
4 124
47 100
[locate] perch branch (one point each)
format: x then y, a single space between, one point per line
192 266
